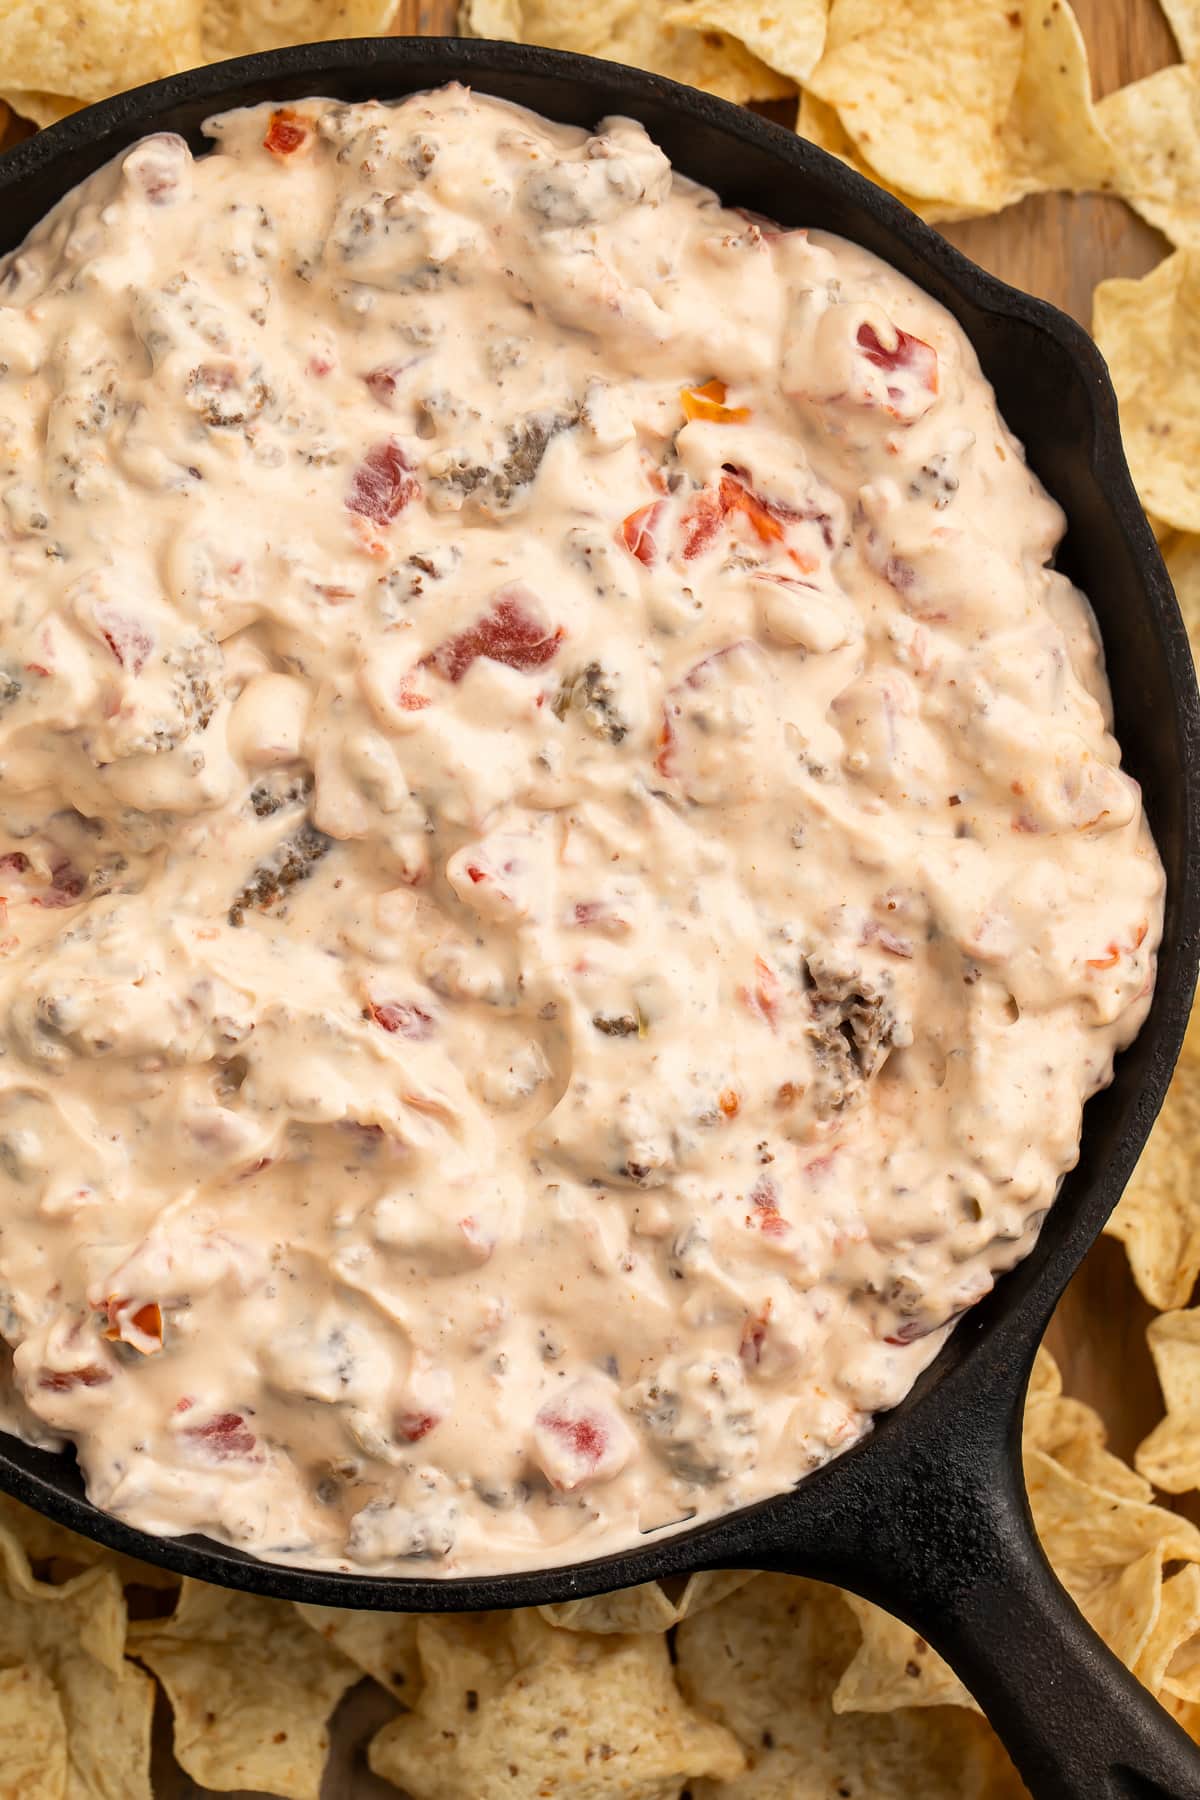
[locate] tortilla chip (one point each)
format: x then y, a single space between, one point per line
787 35
1110 1555
1149 331
33 1735
382 1645
1170 1456
64 1552
1181 551
966 102
1158 1217
41 109
1171 1659
646 1608
251 1687
514 1710
629 33
766 1662
894 1667
820 124
1184 19
74 1637
1154 129
46 47
238 27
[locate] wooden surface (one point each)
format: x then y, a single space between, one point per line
1058 246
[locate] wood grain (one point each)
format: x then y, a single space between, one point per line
1058 246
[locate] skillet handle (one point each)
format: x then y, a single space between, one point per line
1076 1723
950 1547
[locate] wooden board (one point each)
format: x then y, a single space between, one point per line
1058 246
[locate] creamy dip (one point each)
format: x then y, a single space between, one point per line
565 875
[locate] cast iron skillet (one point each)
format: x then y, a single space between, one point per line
928 1517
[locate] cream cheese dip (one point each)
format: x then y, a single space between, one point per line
565 874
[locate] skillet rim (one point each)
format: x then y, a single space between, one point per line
999 1335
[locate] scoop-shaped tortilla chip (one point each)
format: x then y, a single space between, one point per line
514 1710
251 1687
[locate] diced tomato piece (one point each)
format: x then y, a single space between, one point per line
286 133
584 1435
729 1103
912 354
708 402
128 639
1108 961
764 1198
637 532
702 520
225 1436
383 483
410 1021
408 698
60 1381
510 634
411 1427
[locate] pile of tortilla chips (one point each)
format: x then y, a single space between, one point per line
737 1686
49 66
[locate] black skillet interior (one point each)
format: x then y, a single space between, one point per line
867 1520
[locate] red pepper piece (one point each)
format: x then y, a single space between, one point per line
509 634
637 532
225 1436
410 1021
912 354
383 483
